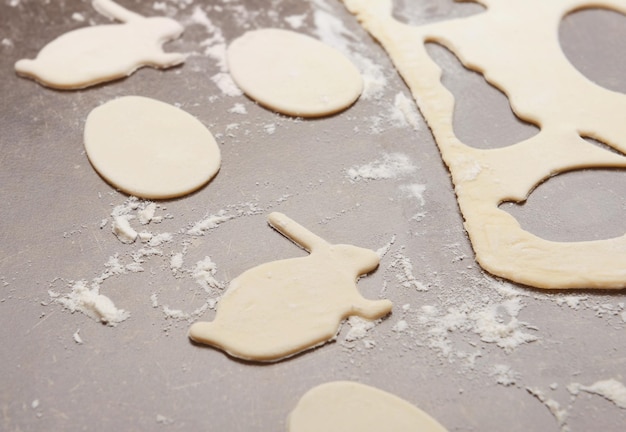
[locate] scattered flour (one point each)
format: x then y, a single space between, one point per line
400 326
466 320
122 229
560 414
610 389
161 419
87 298
296 21
238 108
358 331
332 31
91 303
215 48
404 273
226 84
210 222
405 112
391 166
505 375
270 128
77 338
154 300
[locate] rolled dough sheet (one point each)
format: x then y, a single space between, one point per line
345 406
281 308
292 73
515 45
92 55
150 149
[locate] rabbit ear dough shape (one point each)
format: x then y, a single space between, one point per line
150 149
92 55
292 73
348 406
281 308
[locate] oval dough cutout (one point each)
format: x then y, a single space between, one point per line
293 74
150 149
344 406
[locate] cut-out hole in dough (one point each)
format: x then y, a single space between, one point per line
602 145
597 50
575 206
478 103
428 11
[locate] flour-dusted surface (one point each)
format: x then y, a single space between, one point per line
476 353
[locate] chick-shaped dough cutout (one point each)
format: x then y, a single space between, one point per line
92 55
343 406
278 309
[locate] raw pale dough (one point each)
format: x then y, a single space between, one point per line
150 149
515 45
281 308
345 406
292 73
92 55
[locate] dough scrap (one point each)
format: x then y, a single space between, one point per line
150 149
278 309
92 55
345 406
292 73
515 45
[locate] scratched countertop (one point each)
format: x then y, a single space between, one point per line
145 374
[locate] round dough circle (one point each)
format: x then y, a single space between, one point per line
149 148
292 73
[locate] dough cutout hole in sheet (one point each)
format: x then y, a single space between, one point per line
346 406
92 55
429 11
575 206
597 51
279 309
150 149
292 73
516 46
478 103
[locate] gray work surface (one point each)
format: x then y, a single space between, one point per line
144 374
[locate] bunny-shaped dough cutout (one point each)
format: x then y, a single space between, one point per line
278 309
92 55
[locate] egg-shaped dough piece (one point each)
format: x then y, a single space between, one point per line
292 73
149 148
343 406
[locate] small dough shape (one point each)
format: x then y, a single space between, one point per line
292 73
150 149
515 45
278 309
346 406
92 55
